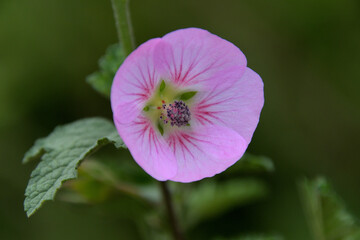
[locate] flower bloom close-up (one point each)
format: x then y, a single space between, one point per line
186 105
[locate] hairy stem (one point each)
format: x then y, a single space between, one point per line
171 212
123 24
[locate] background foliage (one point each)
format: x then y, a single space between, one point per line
307 52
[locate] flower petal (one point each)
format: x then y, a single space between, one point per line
134 82
235 101
205 151
225 110
148 148
191 56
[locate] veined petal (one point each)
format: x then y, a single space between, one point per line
235 101
148 148
205 151
191 56
222 115
134 82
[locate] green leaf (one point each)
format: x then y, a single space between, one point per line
61 152
160 128
252 163
326 213
162 86
210 198
252 237
187 95
102 80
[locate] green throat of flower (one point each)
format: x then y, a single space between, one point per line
169 107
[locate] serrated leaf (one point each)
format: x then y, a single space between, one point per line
326 213
210 198
102 80
61 153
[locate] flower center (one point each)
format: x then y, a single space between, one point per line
177 113
168 107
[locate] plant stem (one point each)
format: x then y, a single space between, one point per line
123 25
171 211
126 39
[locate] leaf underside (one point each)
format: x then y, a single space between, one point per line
61 152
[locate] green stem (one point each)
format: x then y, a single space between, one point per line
126 39
123 25
177 234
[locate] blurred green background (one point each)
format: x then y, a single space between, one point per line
307 52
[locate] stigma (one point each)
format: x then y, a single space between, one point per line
176 113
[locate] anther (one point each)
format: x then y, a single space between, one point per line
177 113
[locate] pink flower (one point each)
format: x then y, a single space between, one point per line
186 105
